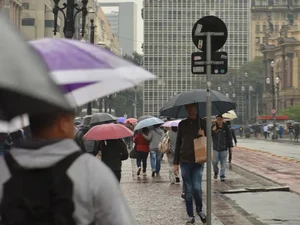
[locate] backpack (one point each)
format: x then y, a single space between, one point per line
85 145
40 196
164 144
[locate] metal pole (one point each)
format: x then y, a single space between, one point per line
135 104
243 108
92 41
256 105
208 128
249 106
69 28
273 105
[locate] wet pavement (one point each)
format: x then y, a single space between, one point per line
289 150
271 160
155 201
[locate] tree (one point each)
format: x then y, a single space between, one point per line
293 112
123 102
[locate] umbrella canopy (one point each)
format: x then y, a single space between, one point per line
121 119
290 121
230 115
108 132
131 120
175 106
100 118
173 123
86 71
25 84
14 125
148 123
143 118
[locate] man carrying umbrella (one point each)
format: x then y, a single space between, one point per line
188 130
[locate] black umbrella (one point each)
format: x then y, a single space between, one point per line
25 83
101 118
143 118
175 106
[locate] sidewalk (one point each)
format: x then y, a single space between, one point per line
155 202
284 171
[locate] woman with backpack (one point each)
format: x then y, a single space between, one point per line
154 138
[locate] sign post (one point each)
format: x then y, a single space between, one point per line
209 32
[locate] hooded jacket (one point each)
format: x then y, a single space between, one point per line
97 196
154 137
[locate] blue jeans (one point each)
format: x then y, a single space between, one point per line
220 156
155 160
192 183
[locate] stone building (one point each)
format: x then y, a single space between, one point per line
13 10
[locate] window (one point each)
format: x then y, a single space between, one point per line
257 28
28 22
49 23
25 5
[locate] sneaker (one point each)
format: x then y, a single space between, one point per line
202 216
138 171
144 174
153 173
177 180
223 179
190 221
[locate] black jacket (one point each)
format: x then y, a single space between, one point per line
113 152
222 138
187 132
233 135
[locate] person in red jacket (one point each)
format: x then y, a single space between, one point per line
142 150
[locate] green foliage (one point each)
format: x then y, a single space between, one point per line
293 112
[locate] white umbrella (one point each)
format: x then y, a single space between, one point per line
14 125
230 115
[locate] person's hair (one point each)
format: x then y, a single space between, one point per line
174 129
219 116
44 121
228 123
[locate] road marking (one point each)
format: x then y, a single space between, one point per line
271 154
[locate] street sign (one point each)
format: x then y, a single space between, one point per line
209 24
273 111
219 63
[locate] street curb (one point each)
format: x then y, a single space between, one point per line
271 154
258 189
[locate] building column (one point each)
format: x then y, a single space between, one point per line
289 73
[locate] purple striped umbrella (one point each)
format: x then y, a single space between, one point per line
87 72
173 123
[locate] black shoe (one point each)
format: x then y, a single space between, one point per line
202 216
183 195
216 176
138 171
153 174
190 221
177 180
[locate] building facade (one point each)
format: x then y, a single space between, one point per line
168 44
268 18
13 10
38 20
124 24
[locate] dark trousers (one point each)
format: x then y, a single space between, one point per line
141 157
230 154
118 175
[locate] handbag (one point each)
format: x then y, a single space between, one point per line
200 149
132 153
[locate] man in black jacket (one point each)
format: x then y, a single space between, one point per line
222 140
234 139
191 172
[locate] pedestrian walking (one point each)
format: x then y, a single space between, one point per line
113 152
234 139
291 131
222 140
191 172
59 183
266 129
241 129
154 136
142 150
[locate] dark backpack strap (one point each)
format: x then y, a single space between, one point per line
12 164
66 162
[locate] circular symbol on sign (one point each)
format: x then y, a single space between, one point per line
209 24
222 71
273 111
216 71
